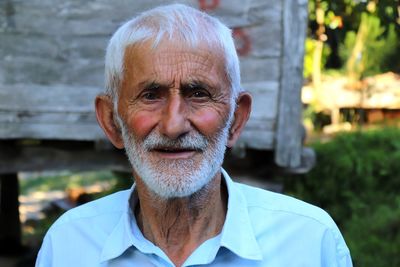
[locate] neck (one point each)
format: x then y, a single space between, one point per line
179 225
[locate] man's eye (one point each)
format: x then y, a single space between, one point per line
200 94
149 96
196 91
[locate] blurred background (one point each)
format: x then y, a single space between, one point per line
325 76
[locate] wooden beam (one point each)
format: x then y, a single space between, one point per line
289 130
52 112
57 156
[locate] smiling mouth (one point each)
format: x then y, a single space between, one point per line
175 150
175 153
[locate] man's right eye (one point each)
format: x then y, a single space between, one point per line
149 96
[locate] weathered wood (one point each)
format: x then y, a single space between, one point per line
265 99
257 139
61 112
64 41
51 98
10 225
289 130
51 131
52 65
48 112
15 157
260 69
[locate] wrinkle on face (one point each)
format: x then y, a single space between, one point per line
175 93
174 66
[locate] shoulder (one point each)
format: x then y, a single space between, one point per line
84 228
292 219
258 198
100 209
279 221
286 209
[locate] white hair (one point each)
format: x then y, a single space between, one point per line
191 26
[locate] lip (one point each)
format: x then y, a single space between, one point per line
175 154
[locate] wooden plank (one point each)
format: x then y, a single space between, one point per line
260 69
48 112
29 69
259 132
72 131
233 12
260 139
288 132
262 45
49 117
64 156
50 98
265 99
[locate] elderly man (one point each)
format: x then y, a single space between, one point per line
174 102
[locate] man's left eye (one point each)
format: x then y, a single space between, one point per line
200 94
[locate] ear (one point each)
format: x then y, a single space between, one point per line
241 116
105 117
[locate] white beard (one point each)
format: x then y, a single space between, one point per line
171 178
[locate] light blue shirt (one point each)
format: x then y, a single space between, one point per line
261 229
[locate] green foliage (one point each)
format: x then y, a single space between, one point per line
379 50
348 44
309 55
308 58
357 180
391 47
383 47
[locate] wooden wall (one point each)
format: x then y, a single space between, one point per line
51 66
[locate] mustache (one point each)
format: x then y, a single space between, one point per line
190 141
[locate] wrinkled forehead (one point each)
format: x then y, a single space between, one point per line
203 56
177 43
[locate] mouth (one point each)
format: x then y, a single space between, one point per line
175 153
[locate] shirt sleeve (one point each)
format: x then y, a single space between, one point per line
334 250
45 255
345 261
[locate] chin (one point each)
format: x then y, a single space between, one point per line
176 179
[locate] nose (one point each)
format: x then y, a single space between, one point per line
174 122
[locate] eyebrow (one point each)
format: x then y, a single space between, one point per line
153 85
148 84
194 84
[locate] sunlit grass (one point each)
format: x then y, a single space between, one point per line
64 180
41 187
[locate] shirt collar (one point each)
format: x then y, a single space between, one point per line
121 236
237 234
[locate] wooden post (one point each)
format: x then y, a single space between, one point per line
335 116
289 130
10 225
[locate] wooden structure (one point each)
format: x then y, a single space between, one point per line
378 96
51 68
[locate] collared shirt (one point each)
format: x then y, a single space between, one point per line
261 229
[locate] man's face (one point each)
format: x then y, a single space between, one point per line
174 107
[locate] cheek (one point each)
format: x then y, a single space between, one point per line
141 123
208 123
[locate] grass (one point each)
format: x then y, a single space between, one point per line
33 230
63 180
